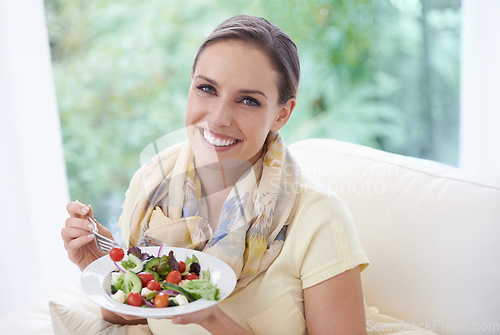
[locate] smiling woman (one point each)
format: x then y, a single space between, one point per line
233 99
266 219
234 191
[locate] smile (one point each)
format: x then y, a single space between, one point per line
216 141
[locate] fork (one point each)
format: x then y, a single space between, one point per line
103 243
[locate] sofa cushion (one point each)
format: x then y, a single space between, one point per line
430 231
77 321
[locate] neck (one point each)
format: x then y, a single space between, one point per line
221 175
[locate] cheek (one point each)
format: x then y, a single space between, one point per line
257 133
188 116
190 112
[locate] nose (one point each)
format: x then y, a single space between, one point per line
220 114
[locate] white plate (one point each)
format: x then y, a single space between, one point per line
95 282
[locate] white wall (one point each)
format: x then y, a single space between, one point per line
33 186
480 87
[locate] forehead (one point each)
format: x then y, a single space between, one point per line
235 60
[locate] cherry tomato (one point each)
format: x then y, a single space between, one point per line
145 278
161 300
191 276
134 299
174 277
182 267
153 285
116 254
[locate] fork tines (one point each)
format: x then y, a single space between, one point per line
103 243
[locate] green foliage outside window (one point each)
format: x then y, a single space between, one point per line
376 72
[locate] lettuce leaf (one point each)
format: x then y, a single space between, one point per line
203 288
189 262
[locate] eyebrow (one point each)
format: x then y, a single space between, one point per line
243 91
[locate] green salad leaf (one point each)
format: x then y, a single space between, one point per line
203 288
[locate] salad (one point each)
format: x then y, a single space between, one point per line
160 281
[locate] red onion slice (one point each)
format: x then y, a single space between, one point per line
119 267
171 292
159 250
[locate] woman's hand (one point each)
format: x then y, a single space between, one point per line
77 235
122 318
212 319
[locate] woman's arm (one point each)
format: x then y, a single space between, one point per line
336 306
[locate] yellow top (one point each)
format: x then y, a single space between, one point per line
321 242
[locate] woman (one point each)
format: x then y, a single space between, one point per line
236 192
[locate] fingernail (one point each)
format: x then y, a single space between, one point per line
85 210
91 227
176 320
90 237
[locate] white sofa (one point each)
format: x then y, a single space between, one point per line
430 231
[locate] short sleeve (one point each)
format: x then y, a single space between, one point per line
326 238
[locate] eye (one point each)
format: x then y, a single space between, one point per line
249 101
206 88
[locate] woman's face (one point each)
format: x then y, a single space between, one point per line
233 103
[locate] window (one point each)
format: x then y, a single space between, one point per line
379 73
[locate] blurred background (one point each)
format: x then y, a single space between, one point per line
375 72
86 86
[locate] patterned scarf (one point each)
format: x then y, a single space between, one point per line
163 202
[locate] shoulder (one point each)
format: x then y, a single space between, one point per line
322 236
317 201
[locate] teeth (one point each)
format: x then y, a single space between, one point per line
217 141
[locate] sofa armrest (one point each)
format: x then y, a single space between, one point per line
429 229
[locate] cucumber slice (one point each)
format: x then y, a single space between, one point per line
151 263
131 283
150 267
172 302
133 264
177 288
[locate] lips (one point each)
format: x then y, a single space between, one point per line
217 140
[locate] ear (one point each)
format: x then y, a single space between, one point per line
284 114
192 73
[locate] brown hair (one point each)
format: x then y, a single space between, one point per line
278 46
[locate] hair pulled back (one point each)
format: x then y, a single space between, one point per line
277 45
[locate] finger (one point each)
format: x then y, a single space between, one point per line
129 317
182 320
178 320
79 223
69 233
74 244
101 230
91 212
196 317
77 209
